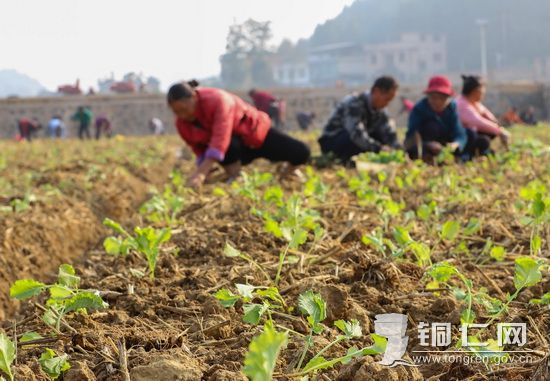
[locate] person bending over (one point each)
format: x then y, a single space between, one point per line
221 128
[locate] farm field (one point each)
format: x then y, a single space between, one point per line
112 270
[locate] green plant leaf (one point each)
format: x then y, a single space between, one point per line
53 365
349 329
538 207
422 253
271 293
474 225
498 253
317 363
30 336
528 272
245 290
313 305
450 230
467 317
230 251
114 226
67 276
113 245
26 288
85 300
299 237
442 271
262 354
545 300
253 312
7 355
272 226
60 292
226 298
378 347
402 236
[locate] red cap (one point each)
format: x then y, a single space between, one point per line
440 84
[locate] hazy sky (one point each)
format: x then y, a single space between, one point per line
57 41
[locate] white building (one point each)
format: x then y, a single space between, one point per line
412 58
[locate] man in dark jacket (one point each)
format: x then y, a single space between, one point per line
360 123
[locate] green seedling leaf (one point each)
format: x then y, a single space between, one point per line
262 354
115 226
402 236
498 253
67 276
60 292
271 226
7 355
30 336
378 347
219 192
422 253
113 246
26 288
538 207
53 365
528 272
271 293
245 290
473 227
253 312
349 329
317 363
536 244
313 305
230 251
467 317
85 300
442 272
299 237
545 300
450 230
226 298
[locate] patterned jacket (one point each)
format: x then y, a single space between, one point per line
368 128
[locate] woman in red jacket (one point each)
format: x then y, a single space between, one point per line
221 127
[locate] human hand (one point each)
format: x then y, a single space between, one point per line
196 180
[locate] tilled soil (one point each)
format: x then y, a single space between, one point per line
173 328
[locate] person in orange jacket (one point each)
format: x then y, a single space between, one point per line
222 128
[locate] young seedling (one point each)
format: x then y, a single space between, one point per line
250 183
7 356
231 252
528 272
147 241
538 215
65 296
269 297
293 222
52 364
441 273
163 208
261 358
315 308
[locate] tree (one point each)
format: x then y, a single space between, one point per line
247 59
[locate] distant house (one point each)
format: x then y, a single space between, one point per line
339 62
130 83
70 89
291 74
411 59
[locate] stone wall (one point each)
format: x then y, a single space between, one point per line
130 113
